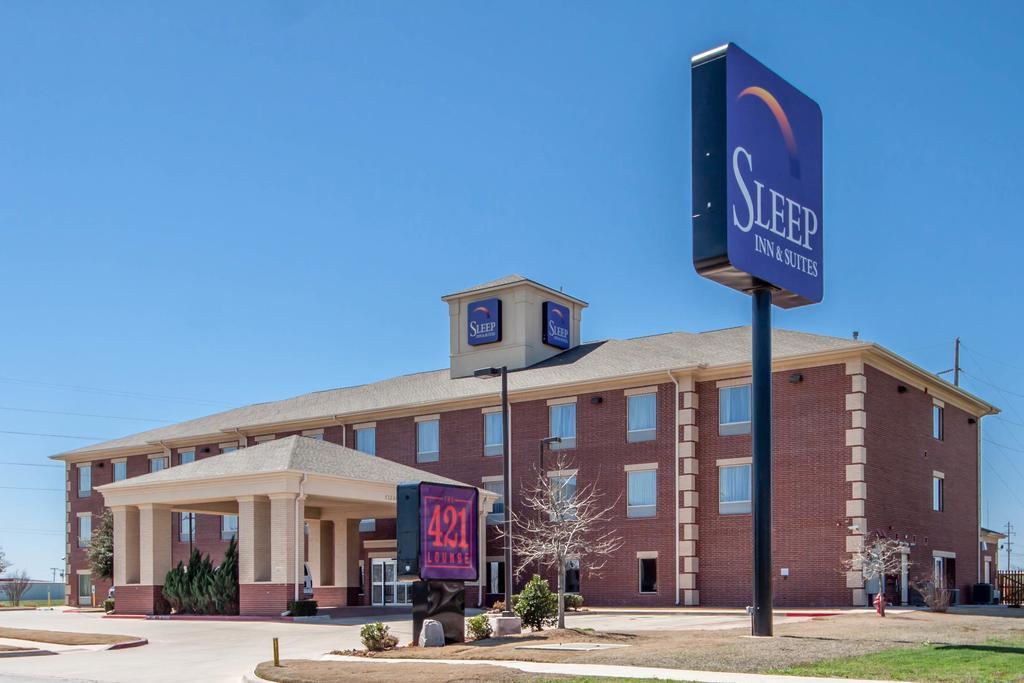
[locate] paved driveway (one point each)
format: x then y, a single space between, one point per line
224 650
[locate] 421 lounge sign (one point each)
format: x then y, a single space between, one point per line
757 179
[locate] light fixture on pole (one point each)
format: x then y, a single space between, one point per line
540 455
485 373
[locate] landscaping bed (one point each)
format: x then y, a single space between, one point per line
797 644
310 671
65 637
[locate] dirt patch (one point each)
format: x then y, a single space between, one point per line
727 650
11 648
64 637
306 671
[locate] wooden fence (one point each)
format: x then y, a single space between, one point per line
1011 588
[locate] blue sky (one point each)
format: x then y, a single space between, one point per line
210 205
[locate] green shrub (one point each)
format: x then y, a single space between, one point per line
302 608
537 606
479 627
377 637
199 588
108 605
573 601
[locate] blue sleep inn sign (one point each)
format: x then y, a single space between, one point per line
757 179
483 322
556 325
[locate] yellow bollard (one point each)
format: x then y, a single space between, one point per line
277 654
49 603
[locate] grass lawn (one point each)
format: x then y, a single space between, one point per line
30 603
993 660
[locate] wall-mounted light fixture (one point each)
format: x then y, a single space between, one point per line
796 378
971 421
594 400
901 389
205 449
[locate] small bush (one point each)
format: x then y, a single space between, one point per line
302 608
537 606
479 627
108 605
573 601
498 606
377 637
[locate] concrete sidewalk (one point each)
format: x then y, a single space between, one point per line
608 670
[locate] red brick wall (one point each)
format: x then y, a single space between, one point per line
901 457
264 599
808 495
136 599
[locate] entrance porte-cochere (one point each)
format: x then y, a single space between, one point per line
275 488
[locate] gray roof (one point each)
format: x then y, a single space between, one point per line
588 362
504 282
293 453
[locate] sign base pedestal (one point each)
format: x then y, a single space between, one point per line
443 601
505 626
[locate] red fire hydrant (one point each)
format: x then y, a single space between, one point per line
880 604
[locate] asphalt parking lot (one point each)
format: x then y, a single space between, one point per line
225 650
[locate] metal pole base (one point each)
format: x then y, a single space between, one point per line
761 468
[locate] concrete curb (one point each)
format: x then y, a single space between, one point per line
127 644
25 653
251 677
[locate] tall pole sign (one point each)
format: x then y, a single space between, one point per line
758 227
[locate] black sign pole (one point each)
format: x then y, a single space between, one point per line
761 470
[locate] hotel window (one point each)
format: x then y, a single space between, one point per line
562 419
185 457
938 492
572 575
937 422
734 410
85 481
84 530
497 513
228 527
648 574
366 440
641 418
493 440
186 526
315 434
564 494
367 525
734 490
158 463
84 589
120 470
228 449
641 493
495 577
428 433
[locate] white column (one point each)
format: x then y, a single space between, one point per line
253 539
154 543
282 538
126 544
346 552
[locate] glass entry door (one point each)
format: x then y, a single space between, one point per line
386 589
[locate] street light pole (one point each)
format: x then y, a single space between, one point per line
540 467
506 477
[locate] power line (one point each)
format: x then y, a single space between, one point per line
1012 492
27 488
991 357
1002 445
110 392
994 386
62 412
31 464
58 436
32 531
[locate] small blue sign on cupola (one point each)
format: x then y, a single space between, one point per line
483 323
557 324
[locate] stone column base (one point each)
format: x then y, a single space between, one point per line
505 626
135 599
264 599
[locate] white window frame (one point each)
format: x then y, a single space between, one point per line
367 525
642 511
84 541
123 464
567 442
741 426
186 532
366 429
226 533
315 434
227 447
640 435
938 422
428 456
190 452
498 448
565 475
735 507
87 491
938 491
163 459
496 517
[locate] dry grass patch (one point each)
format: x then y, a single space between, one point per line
796 644
64 637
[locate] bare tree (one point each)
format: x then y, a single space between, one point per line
559 521
15 586
933 592
4 564
879 559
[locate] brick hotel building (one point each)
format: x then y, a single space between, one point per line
865 443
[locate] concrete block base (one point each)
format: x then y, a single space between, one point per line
505 626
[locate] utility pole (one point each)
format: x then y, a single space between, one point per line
956 362
1009 531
